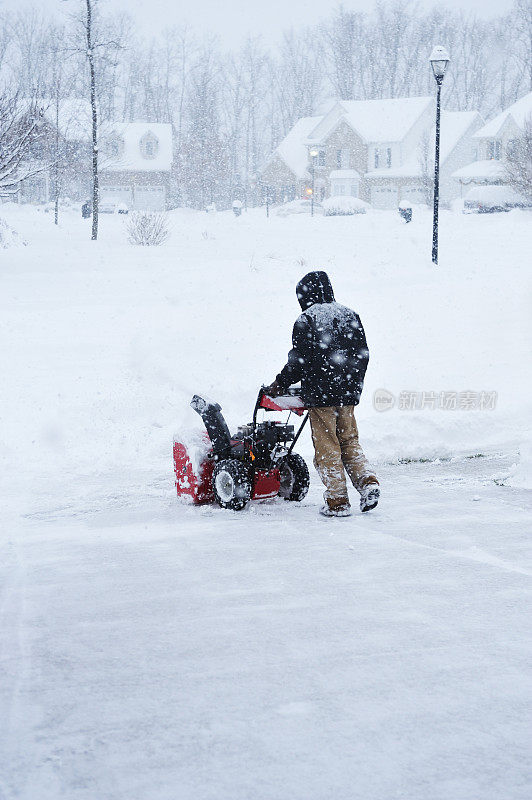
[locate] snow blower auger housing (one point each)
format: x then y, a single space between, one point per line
256 463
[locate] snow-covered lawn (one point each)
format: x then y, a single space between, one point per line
154 651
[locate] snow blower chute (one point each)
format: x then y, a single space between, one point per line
256 463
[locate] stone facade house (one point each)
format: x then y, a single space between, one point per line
381 151
135 165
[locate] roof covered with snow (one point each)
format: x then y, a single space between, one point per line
519 111
73 115
490 170
386 120
454 126
130 135
293 150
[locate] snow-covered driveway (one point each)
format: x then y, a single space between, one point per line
154 651
158 651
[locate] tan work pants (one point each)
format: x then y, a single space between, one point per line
336 446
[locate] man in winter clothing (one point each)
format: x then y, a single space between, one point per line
330 356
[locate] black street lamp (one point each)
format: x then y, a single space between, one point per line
439 59
313 155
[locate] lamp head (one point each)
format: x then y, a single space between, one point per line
439 60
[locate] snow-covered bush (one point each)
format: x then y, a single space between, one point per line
8 236
148 228
342 206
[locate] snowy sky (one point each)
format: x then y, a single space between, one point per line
233 19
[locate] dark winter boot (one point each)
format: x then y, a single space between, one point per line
369 496
336 508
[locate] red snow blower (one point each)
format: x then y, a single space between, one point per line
256 463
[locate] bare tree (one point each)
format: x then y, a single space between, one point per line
96 40
518 162
522 41
18 126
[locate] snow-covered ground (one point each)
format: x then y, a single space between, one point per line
155 651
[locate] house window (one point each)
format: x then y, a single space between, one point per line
494 149
388 157
354 190
337 189
321 158
377 158
338 159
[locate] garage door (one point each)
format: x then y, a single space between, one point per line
413 194
120 195
150 198
384 198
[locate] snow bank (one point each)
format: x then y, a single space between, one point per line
8 236
521 472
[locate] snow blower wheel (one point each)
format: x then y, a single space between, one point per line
255 463
295 478
231 484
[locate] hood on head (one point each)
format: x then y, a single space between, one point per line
315 287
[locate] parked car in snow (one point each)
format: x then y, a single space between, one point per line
492 199
344 206
112 207
302 206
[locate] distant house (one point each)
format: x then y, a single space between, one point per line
286 173
135 164
379 150
492 143
62 136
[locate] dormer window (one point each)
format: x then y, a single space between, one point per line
149 145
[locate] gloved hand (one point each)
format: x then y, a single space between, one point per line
273 390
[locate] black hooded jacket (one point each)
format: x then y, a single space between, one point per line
329 352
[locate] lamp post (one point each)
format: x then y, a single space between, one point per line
313 154
439 60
